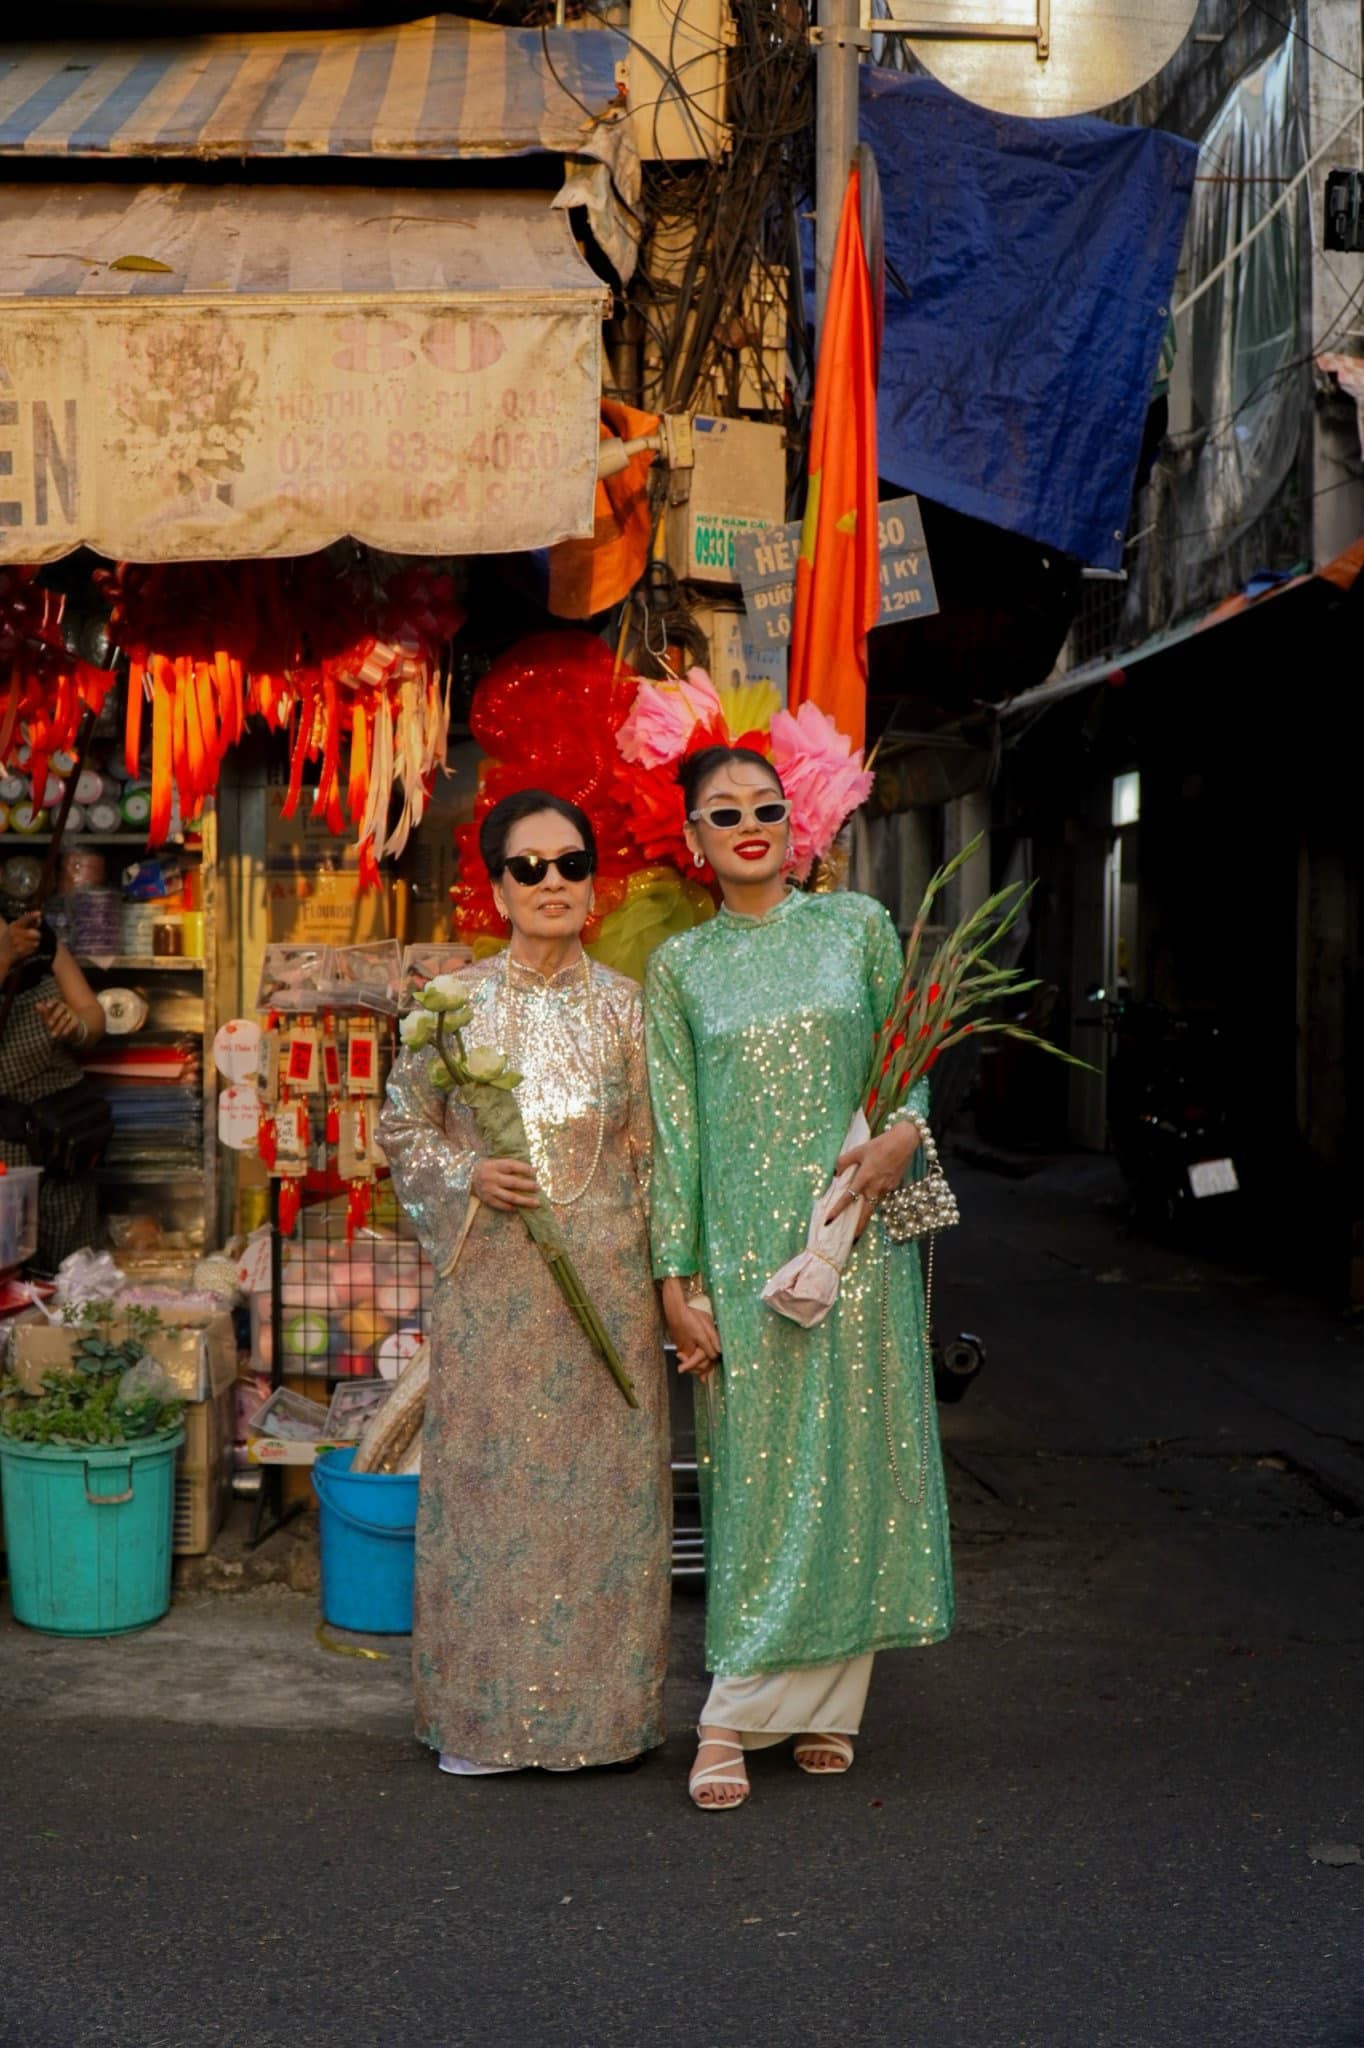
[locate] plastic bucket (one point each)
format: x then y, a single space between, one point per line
88 1532
369 1544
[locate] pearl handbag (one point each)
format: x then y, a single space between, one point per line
925 1205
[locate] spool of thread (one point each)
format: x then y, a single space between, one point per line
305 1335
104 816
136 926
89 786
96 920
54 789
136 807
75 819
125 1011
28 820
21 876
81 867
398 1299
63 763
13 788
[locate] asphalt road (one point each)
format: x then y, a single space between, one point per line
1085 1820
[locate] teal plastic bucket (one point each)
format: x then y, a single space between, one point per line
88 1533
369 1544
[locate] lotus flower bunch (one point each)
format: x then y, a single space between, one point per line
487 1083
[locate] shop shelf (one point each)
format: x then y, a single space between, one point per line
176 1176
88 839
143 963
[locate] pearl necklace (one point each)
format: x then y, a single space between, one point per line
513 1055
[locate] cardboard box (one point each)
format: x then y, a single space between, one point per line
271 1450
737 484
199 1352
312 882
203 1474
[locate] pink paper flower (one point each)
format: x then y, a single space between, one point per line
663 716
822 776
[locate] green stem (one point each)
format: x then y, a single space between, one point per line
540 1225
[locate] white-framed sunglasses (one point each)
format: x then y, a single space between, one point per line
722 817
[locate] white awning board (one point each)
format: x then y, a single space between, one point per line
419 369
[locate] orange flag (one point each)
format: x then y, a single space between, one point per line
585 576
838 574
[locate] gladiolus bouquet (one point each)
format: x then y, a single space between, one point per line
486 1083
941 1004
936 1006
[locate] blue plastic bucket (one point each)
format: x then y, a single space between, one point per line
88 1533
369 1544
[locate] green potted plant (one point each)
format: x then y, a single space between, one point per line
88 1468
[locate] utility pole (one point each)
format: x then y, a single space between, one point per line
838 47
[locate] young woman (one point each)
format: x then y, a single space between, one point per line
55 1015
822 1485
540 1627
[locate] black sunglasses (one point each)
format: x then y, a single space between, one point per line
531 868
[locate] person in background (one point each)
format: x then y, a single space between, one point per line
540 1629
821 1477
55 1015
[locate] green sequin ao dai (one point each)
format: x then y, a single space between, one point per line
759 1035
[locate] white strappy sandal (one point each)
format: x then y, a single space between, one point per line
717 1774
816 1744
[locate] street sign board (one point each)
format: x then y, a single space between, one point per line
766 566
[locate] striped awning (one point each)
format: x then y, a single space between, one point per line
440 89
203 371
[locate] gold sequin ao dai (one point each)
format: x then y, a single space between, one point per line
540 1628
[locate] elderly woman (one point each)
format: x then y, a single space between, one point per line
55 1014
822 1481
540 1625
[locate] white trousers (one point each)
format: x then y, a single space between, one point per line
821 1699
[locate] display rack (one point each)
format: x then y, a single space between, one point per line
191 1179
343 1305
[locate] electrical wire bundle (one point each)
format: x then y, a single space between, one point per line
722 233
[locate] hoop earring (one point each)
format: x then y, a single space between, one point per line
698 860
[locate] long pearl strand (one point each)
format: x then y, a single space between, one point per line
599 1079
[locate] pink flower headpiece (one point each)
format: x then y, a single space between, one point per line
820 771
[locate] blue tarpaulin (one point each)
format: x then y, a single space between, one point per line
1038 258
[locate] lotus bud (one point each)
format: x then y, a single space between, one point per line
446 992
486 1063
417 1029
440 1077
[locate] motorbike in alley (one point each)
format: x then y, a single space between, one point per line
1170 1124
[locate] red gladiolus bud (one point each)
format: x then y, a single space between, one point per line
897 1041
931 1060
924 1030
904 1082
885 1064
968 1027
871 1102
935 992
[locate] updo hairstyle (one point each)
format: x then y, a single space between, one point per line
495 830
